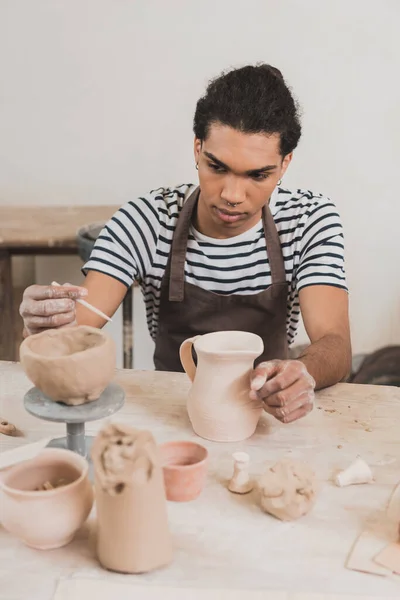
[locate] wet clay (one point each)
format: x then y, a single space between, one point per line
132 525
219 406
288 489
72 365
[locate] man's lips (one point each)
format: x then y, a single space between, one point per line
229 216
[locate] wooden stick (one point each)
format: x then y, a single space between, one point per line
89 306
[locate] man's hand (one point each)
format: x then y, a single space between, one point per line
285 387
45 307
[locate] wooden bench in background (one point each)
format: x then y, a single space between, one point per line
43 230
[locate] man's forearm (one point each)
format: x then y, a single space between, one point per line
328 360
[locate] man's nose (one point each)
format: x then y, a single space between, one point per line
233 190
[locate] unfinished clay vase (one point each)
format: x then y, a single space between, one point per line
72 364
288 489
132 525
219 405
45 500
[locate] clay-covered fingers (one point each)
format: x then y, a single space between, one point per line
294 408
285 387
45 307
285 374
48 292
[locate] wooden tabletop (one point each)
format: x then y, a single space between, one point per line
224 541
29 227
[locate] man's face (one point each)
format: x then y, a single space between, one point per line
235 168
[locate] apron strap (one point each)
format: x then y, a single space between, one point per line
177 256
176 262
274 248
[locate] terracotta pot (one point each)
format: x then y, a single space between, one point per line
72 365
185 469
46 519
219 406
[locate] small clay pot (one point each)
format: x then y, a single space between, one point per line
185 469
73 365
49 518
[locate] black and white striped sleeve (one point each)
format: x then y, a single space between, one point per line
126 246
321 260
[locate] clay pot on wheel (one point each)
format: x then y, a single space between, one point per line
73 365
48 518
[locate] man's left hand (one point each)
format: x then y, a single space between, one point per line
285 387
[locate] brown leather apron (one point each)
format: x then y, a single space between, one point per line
187 310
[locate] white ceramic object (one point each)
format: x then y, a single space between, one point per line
219 405
241 482
50 518
358 472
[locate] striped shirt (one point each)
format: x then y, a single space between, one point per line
135 244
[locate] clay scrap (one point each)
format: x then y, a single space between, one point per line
288 489
389 557
375 549
47 485
133 534
356 473
7 428
241 482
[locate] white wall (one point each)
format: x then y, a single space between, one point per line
97 99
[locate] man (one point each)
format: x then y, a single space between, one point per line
237 252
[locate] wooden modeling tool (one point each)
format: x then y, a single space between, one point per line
89 306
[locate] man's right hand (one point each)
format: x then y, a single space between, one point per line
46 307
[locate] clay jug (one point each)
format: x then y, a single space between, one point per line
219 405
132 525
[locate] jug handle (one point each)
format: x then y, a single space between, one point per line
185 354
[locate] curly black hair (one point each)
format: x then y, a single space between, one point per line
251 99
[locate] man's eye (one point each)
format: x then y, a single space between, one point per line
260 176
216 168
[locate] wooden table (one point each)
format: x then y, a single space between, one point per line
223 540
36 230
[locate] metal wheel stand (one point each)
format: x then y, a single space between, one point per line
39 405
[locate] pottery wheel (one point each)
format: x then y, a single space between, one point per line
39 405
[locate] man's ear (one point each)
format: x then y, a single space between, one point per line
197 149
285 163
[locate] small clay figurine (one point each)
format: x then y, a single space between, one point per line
357 472
288 489
240 482
133 534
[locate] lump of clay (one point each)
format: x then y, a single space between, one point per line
132 532
72 364
288 489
